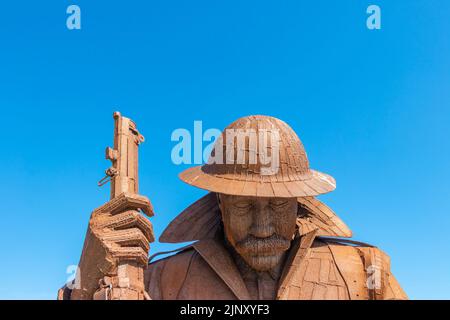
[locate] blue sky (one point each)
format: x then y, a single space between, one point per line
371 107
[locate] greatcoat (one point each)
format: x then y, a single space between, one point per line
319 265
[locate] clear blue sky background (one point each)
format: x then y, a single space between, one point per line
372 108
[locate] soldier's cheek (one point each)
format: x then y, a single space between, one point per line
285 228
240 228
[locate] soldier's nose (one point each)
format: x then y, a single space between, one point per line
262 224
262 231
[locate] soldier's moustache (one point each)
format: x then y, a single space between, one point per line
262 246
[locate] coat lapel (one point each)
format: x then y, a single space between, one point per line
295 259
218 258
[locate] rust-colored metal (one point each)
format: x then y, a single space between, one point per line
123 173
124 179
291 176
116 246
257 236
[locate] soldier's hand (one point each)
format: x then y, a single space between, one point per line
122 229
117 232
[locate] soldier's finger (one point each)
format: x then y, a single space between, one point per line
129 219
127 201
128 238
136 254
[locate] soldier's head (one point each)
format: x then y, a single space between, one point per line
258 167
259 229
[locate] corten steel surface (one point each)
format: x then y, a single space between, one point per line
294 178
124 180
116 247
124 157
318 263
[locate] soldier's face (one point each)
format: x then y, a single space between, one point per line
260 229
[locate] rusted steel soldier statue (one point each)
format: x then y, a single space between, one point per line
259 234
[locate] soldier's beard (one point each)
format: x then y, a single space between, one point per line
262 254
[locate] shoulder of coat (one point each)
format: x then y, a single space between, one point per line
344 242
364 267
185 252
345 249
164 277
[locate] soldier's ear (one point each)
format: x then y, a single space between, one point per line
218 199
219 202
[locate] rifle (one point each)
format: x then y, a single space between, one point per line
123 175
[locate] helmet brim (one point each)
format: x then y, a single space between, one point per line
312 184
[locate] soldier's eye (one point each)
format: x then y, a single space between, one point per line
243 205
278 203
